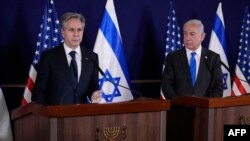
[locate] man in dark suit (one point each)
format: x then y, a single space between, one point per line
198 74
66 74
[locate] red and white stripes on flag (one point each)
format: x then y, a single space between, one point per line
29 86
48 37
242 69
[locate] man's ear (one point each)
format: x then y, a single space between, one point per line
62 32
203 35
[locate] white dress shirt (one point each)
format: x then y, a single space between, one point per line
78 57
197 57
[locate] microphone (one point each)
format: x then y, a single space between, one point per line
97 66
225 66
231 77
102 73
212 78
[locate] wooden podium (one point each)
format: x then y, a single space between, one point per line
203 119
138 120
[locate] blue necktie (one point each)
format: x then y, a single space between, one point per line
192 67
73 68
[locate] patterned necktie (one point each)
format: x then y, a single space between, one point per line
73 67
192 67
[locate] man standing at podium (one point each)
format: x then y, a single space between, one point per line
193 70
66 74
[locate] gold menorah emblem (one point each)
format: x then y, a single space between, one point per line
111 133
244 120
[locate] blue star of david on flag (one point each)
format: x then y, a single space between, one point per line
225 76
107 80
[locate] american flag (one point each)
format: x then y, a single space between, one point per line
48 37
173 40
242 69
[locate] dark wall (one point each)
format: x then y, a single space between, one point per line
143 26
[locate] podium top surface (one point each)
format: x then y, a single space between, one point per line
212 102
135 106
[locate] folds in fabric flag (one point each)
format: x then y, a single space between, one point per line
242 69
173 40
49 37
218 45
5 128
109 47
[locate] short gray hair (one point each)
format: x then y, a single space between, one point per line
70 15
195 22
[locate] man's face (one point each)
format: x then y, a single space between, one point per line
192 36
72 33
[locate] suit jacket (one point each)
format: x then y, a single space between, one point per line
54 85
176 80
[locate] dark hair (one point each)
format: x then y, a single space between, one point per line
70 15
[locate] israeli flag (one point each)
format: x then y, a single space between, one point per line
5 127
108 45
218 45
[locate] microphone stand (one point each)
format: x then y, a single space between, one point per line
231 77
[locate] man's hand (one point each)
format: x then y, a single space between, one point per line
96 96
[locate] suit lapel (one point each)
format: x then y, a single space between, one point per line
185 64
84 69
83 65
63 64
201 71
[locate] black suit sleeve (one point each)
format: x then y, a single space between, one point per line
217 84
168 78
94 86
38 94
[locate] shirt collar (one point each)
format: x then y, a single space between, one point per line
198 51
68 49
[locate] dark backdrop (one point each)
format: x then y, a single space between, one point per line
143 26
